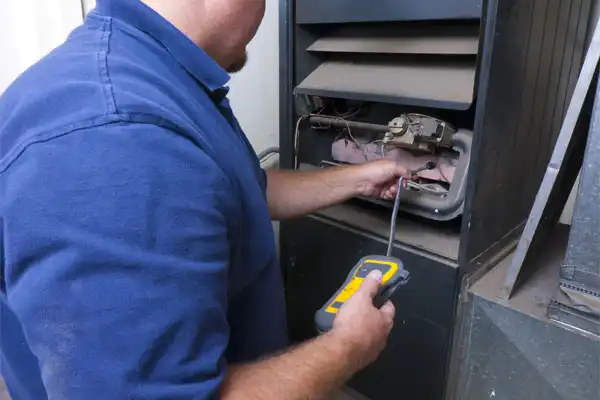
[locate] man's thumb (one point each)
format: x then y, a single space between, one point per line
371 283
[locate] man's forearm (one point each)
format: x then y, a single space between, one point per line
309 371
292 193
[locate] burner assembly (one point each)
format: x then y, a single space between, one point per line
412 140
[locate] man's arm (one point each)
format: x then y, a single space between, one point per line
295 193
312 369
118 263
118 273
316 368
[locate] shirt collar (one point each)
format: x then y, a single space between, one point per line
186 52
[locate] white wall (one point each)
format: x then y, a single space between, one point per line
29 29
88 5
255 90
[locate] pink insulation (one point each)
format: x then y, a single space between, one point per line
347 151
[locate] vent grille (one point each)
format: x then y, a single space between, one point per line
423 65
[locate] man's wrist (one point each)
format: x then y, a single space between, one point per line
356 180
345 350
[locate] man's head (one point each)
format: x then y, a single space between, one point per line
222 28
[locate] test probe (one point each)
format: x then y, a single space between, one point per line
392 270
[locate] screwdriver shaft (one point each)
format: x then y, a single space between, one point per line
394 217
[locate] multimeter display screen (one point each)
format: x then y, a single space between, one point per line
369 266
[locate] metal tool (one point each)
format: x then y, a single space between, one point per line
392 269
428 166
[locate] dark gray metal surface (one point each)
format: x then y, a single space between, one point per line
565 157
529 55
414 362
336 11
519 111
512 356
427 240
581 267
286 80
509 349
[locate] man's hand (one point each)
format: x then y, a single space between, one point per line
361 325
291 194
315 368
379 178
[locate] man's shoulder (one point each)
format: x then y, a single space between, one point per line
101 74
63 91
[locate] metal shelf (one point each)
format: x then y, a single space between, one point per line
437 84
425 39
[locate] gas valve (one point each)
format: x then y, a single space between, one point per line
419 132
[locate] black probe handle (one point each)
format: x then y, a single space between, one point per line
429 166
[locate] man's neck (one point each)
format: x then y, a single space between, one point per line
192 18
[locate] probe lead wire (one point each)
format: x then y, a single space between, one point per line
394 217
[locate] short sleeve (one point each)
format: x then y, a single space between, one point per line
117 263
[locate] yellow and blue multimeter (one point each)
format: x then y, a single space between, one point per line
392 269
394 275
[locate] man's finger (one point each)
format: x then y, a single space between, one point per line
402 171
387 193
388 310
371 284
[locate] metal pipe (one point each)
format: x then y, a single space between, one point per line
338 122
267 152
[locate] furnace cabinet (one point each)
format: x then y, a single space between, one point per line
477 87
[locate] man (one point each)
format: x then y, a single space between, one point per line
138 259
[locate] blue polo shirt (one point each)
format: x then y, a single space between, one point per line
137 253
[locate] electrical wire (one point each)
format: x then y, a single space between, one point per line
349 114
358 145
331 119
394 217
424 188
382 146
439 168
297 139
